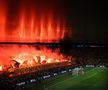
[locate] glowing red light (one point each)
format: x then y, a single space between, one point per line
30 26
28 56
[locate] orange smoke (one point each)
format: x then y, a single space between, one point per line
30 25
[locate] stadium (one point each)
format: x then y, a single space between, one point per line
52 45
81 68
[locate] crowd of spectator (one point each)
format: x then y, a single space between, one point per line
88 55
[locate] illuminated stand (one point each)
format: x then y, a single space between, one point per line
26 59
38 68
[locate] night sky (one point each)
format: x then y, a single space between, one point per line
86 18
91 25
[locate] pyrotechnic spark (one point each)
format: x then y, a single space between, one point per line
27 56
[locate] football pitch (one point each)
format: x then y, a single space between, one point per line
93 79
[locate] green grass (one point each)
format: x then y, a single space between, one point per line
93 79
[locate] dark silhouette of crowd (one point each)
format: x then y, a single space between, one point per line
88 55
